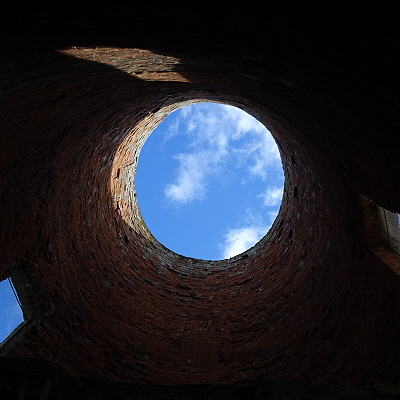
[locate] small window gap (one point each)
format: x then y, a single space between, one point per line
11 315
16 296
391 227
21 308
382 231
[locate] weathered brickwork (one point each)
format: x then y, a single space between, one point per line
310 302
375 230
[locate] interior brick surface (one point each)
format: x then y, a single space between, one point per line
310 302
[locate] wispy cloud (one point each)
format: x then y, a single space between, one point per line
254 227
190 183
260 154
239 240
214 134
272 196
243 122
266 155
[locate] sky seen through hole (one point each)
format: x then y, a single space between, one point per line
11 313
209 181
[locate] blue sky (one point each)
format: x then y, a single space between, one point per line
209 181
11 314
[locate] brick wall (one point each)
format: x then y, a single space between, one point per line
309 302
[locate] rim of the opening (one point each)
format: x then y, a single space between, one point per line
125 166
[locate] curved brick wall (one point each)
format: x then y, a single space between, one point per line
309 302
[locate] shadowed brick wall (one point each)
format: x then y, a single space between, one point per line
310 302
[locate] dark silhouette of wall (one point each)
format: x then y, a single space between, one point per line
311 303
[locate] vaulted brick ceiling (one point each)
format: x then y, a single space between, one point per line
80 91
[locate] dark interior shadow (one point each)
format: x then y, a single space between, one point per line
60 112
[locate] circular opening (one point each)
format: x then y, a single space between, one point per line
209 181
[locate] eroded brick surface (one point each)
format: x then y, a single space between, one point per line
309 303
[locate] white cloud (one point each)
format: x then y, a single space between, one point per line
209 143
214 134
190 183
239 240
242 121
261 154
172 131
260 151
265 156
272 196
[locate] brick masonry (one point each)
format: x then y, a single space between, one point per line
310 302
